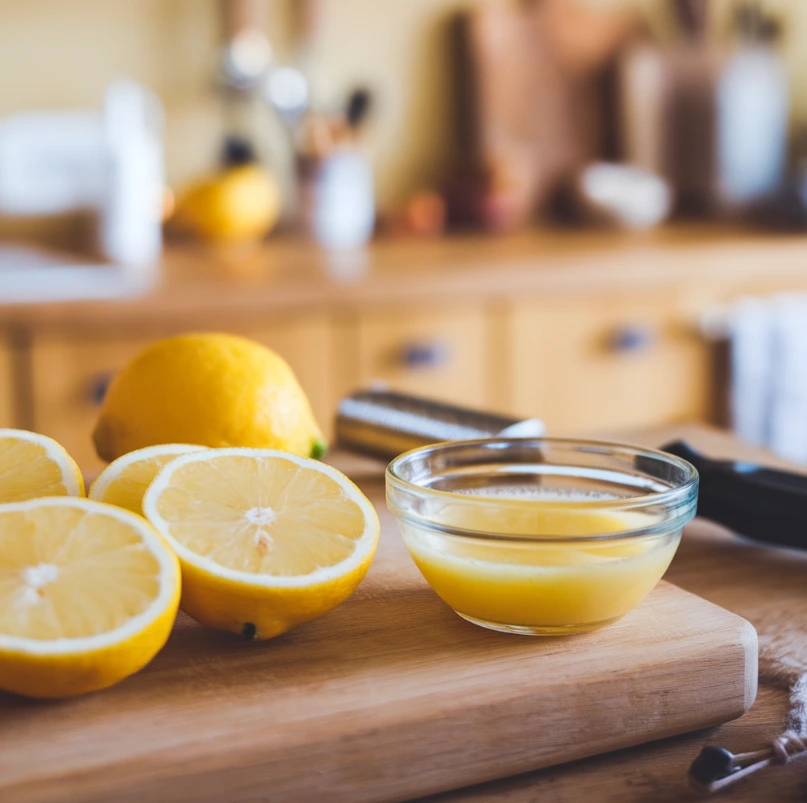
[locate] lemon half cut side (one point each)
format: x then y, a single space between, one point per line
33 466
124 481
88 595
266 539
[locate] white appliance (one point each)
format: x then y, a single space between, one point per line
109 161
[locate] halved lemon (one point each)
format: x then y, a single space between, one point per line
88 595
33 465
266 539
124 481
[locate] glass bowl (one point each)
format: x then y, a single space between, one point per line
541 536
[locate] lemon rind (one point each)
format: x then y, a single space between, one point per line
365 545
116 467
169 580
71 474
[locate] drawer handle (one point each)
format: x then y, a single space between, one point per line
99 386
632 339
425 355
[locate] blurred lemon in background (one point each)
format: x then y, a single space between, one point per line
243 202
214 390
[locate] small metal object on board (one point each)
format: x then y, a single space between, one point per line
716 768
385 424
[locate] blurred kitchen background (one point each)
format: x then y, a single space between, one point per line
588 211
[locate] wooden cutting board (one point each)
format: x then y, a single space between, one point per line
389 697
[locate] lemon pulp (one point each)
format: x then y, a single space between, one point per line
265 518
33 466
124 482
266 539
88 595
73 576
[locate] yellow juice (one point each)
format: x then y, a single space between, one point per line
519 582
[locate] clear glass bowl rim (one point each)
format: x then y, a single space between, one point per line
680 500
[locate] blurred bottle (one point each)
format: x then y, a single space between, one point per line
130 221
336 178
753 104
668 108
344 201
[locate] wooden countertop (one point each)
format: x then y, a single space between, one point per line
285 275
750 580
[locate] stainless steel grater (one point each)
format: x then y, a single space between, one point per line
385 424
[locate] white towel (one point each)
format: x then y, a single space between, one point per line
751 335
788 395
769 373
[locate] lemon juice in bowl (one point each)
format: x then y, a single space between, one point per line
541 536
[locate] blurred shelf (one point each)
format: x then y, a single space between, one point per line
293 275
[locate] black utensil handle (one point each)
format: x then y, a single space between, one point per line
761 503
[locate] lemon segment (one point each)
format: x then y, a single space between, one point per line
33 466
215 390
88 595
123 482
267 540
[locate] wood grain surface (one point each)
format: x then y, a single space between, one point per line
7 411
389 697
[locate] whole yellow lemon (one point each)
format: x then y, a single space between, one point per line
243 203
214 390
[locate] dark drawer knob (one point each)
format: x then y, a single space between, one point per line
99 386
632 339
424 355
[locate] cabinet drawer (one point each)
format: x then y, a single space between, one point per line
70 375
7 388
588 364
440 353
69 379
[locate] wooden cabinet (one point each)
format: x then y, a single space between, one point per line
590 331
587 364
581 362
70 374
69 377
439 352
7 388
